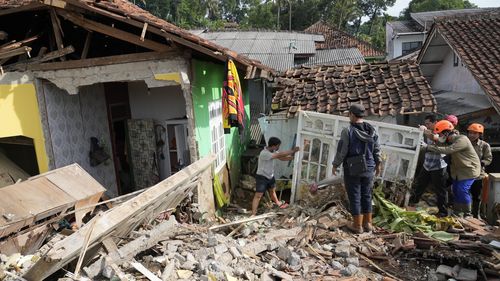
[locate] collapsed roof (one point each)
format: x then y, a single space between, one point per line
127 13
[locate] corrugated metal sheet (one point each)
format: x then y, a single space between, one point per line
277 61
267 42
405 26
335 57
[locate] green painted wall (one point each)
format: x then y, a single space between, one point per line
207 87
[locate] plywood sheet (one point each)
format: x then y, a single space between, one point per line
75 183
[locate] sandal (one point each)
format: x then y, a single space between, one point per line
283 205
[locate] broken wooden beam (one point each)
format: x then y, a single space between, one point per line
112 32
23 66
255 218
122 219
86 46
128 251
14 52
56 27
101 61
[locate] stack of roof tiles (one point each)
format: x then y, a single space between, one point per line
383 88
476 40
338 39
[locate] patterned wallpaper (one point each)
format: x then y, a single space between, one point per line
69 121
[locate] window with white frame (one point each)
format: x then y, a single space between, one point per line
217 134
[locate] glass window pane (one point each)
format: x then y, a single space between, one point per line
316 147
324 153
313 172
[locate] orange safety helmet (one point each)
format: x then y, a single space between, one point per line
443 125
476 127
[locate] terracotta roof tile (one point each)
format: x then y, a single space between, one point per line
383 88
476 40
338 39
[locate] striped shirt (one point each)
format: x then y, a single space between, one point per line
433 161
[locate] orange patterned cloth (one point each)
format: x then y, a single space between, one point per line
233 108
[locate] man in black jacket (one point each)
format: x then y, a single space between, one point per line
359 153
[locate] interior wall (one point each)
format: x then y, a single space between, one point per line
71 121
20 114
161 103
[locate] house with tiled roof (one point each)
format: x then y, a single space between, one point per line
461 61
338 39
84 76
385 89
407 36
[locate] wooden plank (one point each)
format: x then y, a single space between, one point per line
102 61
260 217
18 44
119 220
206 195
14 52
24 8
139 267
152 29
113 32
70 180
22 66
86 47
144 29
128 251
57 31
26 243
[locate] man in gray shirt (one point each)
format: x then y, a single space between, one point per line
265 172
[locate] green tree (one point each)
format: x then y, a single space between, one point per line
340 12
261 15
416 6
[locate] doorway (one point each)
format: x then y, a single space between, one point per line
118 107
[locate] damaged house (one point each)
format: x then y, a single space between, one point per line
460 59
310 104
131 98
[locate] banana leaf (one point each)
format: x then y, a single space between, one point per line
396 219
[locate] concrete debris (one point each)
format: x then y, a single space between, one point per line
298 243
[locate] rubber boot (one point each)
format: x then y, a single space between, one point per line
475 208
357 224
367 222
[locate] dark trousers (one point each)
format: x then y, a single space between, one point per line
475 191
359 191
438 178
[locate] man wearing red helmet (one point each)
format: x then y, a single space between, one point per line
483 150
465 164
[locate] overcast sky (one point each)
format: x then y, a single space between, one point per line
401 4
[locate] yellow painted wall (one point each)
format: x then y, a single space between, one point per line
19 116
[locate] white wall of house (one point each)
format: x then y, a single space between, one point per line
161 103
396 49
455 77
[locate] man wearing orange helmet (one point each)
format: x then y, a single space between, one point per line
483 150
465 164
